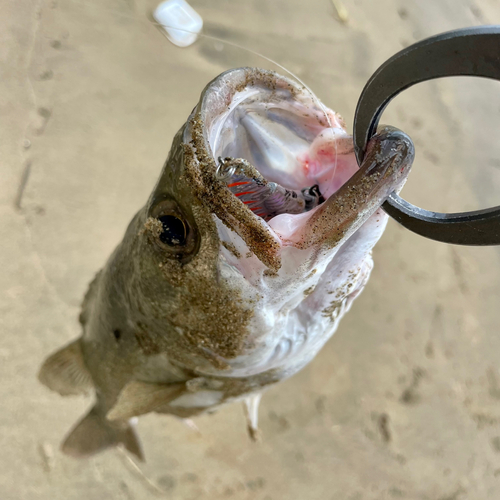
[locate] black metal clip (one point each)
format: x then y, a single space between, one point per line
470 51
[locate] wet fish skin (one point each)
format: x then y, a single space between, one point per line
183 322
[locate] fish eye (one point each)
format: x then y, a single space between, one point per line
174 230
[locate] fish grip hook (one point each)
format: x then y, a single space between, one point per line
465 52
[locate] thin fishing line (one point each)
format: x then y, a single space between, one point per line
151 22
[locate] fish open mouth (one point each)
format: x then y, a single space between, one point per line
277 150
278 168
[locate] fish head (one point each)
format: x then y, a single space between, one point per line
244 290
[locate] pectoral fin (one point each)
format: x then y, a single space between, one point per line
65 371
138 398
94 434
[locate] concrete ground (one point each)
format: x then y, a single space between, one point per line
402 403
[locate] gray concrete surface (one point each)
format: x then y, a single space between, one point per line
403 402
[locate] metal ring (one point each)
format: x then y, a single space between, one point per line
464 52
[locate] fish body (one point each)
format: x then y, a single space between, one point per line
205 301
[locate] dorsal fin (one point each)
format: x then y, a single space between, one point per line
138 398
65 371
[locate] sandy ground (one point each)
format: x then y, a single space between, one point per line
403 402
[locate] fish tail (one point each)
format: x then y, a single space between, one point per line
94 433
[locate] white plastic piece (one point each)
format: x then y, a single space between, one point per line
180 21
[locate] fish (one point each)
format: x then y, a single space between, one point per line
207 300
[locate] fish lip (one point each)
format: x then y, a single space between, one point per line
384 170
200 166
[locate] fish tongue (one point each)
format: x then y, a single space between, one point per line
385 167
